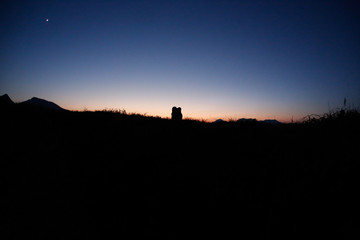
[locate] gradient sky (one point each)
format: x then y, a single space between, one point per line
215 59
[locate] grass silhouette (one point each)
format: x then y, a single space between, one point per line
105 173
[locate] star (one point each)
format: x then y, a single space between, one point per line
46 20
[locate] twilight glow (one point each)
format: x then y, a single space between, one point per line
215 59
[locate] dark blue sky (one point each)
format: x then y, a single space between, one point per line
215 59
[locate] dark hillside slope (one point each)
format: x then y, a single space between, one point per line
102 174
5 101
41 103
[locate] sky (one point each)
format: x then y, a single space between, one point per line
214 59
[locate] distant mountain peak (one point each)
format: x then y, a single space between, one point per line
247 120
6 100
40 99
38 102
219 120
272 121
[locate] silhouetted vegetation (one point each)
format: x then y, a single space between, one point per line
105 173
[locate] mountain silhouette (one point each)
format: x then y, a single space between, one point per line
219 120
247 120
272 121
38 102
5 100
252 120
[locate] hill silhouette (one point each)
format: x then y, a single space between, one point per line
42 103
5 100
107 173
271 121
251 120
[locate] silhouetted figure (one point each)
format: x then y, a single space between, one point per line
176 114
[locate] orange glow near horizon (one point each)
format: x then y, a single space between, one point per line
205 108
206 115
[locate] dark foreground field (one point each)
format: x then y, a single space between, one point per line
103 175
